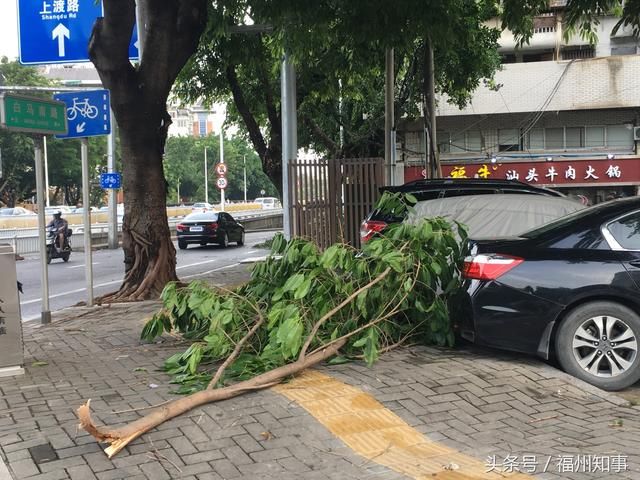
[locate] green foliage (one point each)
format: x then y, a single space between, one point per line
184 166
417 270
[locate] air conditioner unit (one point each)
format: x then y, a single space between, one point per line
636 134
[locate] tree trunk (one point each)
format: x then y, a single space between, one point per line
150 257
138 99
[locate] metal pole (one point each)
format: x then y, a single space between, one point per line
42 241
244 163
86 217
389 81
179 193
435 158
206 178
112 196
46 172
289 134
221 161
141 26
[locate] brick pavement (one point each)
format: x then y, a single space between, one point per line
482 403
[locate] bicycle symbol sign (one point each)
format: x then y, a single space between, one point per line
84 108
88 113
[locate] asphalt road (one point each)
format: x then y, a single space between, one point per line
67 284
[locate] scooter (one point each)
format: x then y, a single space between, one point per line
52 240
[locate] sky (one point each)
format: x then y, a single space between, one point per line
8 29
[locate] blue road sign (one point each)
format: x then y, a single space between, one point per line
58 31
87 113
110 180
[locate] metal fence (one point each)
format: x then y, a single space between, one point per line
328 198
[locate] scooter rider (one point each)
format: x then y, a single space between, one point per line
60 225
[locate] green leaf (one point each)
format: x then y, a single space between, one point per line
294 282
303 289
39 364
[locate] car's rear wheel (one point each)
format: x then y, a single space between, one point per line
598 342
182 245
225 241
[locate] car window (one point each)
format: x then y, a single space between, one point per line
626 231
590 239
201 217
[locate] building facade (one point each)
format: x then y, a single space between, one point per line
562 114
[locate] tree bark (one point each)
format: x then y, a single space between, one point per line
138 100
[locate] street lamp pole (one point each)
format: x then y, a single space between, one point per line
244 163
206 178
221 161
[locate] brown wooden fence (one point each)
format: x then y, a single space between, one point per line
328 199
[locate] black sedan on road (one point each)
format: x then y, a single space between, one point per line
569 288
209 227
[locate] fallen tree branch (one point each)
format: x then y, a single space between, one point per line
119 438
337 308
235 353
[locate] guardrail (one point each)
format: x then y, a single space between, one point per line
25 240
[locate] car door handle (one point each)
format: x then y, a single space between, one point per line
635 263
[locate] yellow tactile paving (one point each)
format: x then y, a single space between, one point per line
378 434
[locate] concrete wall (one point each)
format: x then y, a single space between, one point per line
609 82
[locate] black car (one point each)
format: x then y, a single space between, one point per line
443 188
209 227
569 288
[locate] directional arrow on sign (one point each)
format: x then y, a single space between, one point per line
60 32
80 127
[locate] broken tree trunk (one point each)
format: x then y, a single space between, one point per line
120 438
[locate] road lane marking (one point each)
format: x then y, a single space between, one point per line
82 265
378 434
70 292
80 290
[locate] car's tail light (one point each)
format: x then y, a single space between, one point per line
369 228
180 227
489 267
213 225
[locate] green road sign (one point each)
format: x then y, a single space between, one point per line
32 114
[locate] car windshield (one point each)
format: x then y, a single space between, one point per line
201 217
199 205
6 211
561 222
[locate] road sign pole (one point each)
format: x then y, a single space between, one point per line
206 178
86 217
46 172
42 241
222 162
112 196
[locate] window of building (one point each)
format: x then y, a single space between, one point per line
573 137
508 139
624 46
508 58
536 139
443 141
545 56
474 141
554 138
457 144
594 137
582 51
620 136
